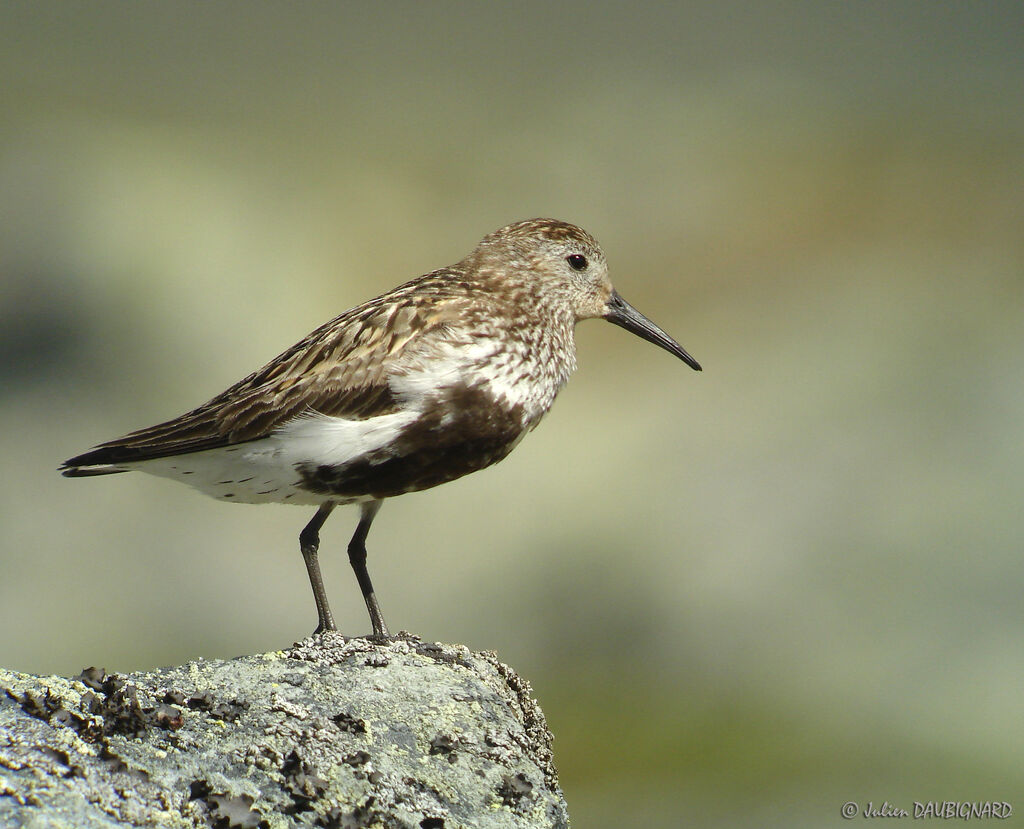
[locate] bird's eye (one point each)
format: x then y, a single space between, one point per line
577 262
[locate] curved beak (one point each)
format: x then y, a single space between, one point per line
622 313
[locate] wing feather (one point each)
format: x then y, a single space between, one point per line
341 369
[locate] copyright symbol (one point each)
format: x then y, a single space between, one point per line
849 810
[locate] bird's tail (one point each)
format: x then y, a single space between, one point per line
99 461
89 471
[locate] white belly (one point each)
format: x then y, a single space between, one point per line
264 471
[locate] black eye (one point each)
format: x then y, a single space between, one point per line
577 262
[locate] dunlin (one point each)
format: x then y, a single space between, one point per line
437 378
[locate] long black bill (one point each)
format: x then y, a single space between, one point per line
622 313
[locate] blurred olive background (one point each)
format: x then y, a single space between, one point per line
743 597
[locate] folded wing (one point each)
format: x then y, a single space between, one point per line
341 370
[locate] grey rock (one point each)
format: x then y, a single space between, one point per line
332 732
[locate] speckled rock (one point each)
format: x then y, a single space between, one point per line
333 732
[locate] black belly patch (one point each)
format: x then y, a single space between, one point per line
460 432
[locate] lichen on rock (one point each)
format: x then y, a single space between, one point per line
333 732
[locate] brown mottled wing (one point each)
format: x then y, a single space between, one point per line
340 369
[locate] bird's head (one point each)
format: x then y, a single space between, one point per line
559 263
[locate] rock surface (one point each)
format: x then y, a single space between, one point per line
332 732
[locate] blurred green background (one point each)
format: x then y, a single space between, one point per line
743 597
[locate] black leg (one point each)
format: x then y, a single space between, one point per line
357 558
309 543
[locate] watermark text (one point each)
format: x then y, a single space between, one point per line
934 809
